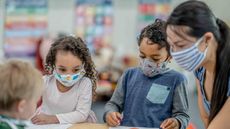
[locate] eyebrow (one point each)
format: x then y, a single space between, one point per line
78 66
179 42
152 56
179 34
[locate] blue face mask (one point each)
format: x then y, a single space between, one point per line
190 59
67 79
150 68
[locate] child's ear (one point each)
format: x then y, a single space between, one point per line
21 105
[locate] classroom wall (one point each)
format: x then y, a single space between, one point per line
1 27
61 19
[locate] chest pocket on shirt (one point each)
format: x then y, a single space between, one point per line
158 93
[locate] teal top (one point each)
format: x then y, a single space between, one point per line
200 75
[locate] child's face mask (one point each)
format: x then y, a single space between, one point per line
69 80
150 68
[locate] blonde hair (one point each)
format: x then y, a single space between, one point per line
18 80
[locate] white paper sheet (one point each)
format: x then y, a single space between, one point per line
50 126
123 127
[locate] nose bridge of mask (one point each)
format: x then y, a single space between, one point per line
68 77
150 62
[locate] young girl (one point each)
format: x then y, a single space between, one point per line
151 95
71 85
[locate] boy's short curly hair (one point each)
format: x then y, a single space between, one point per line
155 32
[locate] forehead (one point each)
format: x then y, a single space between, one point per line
149 49
66 58
177 33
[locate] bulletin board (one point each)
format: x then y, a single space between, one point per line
25 23
149 10
94 22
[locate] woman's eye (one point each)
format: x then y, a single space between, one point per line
181 46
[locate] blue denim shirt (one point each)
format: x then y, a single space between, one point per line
148 101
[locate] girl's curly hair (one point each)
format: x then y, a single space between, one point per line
78 48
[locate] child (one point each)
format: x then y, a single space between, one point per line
151 95
70 86
21 87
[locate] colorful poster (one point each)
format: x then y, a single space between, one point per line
25 23
149 10
94 22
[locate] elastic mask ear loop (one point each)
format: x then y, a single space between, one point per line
198 41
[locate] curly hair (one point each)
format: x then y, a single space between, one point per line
156 32
78 48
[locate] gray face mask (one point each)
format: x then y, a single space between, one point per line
150 68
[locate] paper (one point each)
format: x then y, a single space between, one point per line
123 127
50 126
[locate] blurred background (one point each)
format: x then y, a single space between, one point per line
109 27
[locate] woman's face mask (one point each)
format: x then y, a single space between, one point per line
191 58
69 80
150 68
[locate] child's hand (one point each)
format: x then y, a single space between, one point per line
171 123
41 119
113 118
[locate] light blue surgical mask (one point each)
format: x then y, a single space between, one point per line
150 68
191 58
69 80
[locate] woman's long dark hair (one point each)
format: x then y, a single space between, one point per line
200 19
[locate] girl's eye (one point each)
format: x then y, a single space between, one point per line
62 70
76 70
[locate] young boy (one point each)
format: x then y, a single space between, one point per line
151 95
21 87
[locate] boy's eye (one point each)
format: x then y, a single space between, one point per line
156 60
142 56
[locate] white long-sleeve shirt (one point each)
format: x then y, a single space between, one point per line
73 106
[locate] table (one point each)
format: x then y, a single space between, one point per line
101 126
89 126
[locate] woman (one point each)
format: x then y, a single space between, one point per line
200 42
